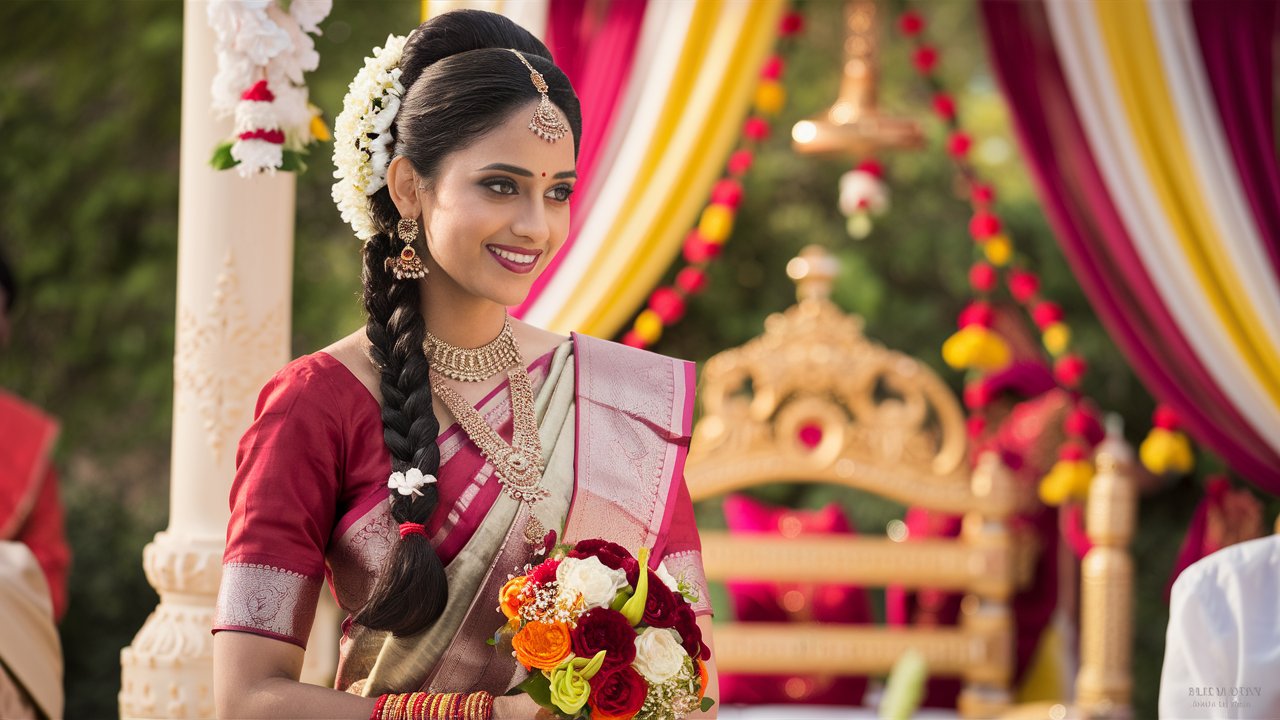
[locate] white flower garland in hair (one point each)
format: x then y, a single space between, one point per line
362 142
261 41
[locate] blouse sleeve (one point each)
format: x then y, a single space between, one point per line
283 508
682 554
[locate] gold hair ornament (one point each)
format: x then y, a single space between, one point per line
546 122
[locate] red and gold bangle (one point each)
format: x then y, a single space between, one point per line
433 706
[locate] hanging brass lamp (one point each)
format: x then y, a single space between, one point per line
853 125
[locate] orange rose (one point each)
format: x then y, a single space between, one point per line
509 596
703 680
541 645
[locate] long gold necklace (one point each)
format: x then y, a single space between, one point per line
473 364
518 465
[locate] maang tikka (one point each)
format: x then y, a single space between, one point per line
407 265
546 122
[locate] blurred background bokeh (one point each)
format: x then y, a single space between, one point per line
88 217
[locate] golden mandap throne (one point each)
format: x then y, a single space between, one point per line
812 400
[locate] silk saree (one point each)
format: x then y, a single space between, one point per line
310 502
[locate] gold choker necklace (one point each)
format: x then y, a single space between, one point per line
473 364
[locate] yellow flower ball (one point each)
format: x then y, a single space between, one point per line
648 326
993 353
1166 452
1057 337
975 347
959 350
770 97
716 223
998 249
1068 479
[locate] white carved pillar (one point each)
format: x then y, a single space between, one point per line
235 248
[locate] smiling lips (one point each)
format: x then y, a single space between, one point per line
514 259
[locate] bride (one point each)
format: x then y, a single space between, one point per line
455 157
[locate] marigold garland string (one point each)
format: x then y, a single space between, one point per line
666 305
976 346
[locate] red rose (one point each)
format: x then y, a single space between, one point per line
544 573
604 629
612 555
660 605
690 634
617 694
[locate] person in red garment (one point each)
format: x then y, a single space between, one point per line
34 556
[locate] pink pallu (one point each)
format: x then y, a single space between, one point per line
634 416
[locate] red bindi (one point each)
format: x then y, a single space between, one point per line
544 174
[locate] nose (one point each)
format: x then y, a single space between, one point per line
531 221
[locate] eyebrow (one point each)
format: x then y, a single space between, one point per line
527 173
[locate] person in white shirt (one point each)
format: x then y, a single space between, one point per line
1222 651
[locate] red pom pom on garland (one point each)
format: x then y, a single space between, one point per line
925 59
982 277
911 23
691 280
958 144
756 129
772 68
977 313
1023 285
668 304
1166 419
983 225
727 192
1069 370
740 162
944 106
1045 314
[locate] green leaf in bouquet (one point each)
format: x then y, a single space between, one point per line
538 688
707 703
633 609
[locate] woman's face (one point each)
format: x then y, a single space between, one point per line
498 211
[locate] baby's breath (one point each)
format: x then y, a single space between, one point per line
673 699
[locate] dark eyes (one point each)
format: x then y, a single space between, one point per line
505 186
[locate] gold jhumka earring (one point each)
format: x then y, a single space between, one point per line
407 265
546 123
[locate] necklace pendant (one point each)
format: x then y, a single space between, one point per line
534 532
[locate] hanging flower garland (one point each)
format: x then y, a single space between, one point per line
977 347
264 48
667 304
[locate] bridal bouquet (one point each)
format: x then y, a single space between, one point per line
605 637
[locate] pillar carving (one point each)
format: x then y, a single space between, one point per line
235 250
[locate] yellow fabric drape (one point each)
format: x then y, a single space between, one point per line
703 117
1126 31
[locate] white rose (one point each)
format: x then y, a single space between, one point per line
597 584
667 578
659 655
